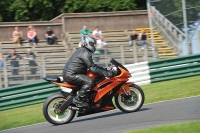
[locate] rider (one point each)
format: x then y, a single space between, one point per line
77 66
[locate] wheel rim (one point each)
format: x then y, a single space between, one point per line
132 103
61 117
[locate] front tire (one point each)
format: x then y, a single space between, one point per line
50 113
132 104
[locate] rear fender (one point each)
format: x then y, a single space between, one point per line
125 87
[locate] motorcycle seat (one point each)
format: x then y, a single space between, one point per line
53 79
59 81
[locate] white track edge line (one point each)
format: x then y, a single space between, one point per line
107 111
173 99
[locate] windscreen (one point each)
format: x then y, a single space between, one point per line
114 62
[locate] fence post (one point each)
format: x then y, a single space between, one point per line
145 52
135 52
1 84
106 56
24 68
5 74
122 54
43 66
186 27
150 16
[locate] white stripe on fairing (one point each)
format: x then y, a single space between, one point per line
66 89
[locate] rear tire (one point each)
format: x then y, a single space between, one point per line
49 110
132 104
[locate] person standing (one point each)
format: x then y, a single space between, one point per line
17 36
30 56
50 36
14 57
84 31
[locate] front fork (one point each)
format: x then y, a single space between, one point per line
125 89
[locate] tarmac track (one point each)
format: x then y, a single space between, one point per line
115 121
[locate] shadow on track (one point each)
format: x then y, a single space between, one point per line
107 115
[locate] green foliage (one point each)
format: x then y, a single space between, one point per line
35 10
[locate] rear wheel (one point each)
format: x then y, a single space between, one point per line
131 103
51 112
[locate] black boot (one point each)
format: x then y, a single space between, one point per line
77 100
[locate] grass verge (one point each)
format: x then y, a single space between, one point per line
172 89
188 127
153 93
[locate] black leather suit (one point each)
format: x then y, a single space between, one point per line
76 68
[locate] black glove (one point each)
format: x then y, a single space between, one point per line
110 74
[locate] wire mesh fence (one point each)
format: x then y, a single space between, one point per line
180 19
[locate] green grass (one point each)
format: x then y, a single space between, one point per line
172 89
188 127
21 116
153 92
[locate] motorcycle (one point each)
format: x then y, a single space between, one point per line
127 96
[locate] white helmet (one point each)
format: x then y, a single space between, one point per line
88 42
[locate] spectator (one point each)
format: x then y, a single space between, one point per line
17 36
101 42
36 39
84 31
31 34
143 38
30 56
1 61
133 38
97 33
13 56
50 36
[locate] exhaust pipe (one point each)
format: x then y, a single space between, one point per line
73 108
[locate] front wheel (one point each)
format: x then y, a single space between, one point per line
51 112
130 103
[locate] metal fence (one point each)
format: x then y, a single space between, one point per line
123 54
21 71
178 21
53 65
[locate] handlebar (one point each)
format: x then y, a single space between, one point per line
114 69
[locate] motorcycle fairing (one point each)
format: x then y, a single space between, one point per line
65 85
126 87
105 90
106 102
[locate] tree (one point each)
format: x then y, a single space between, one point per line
36 10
